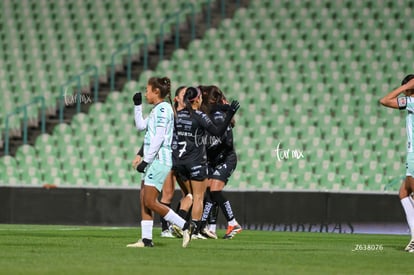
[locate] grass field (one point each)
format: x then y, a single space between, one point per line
34 249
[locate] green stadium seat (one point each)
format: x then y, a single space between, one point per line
26 156
313 92
10 174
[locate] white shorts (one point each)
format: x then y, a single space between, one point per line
156 174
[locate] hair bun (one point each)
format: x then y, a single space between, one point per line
167 82
192 93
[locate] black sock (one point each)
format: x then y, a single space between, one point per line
198 227
212 218
186 225
147 242
188 217
183 214
207 210
224 204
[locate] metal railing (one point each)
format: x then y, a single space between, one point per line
128 47
94 69
176 16
222 10
63 99
63 89
77 78
23 109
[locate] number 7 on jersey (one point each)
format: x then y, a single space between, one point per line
182 150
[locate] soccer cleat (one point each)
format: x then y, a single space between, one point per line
178 232
167 234
141 243
232 230
208 233
198 236
187 234
410 246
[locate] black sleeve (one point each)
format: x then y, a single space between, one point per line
141 151
221 107
212 128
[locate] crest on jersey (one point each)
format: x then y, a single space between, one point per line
402 102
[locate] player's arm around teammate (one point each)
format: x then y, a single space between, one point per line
402 98
191 165
222 161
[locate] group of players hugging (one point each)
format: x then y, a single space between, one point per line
189 142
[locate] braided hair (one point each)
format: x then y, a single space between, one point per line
163 84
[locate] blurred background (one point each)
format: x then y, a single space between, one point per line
308 75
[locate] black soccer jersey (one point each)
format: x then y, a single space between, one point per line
190 139
219 146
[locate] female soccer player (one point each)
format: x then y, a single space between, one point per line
169 184
222 161
189 156
406 102
157 160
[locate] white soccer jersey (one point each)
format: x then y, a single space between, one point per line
407 103
161 118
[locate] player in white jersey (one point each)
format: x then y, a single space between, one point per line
157 160
403 98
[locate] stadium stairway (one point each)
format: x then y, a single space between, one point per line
137 67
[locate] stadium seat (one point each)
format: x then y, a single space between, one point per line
10 173
318 91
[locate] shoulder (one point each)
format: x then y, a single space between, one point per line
164 107
200 113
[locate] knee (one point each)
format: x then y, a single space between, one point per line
149 204
217 196
167 196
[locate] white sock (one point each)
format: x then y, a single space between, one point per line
146 229
173 218
233 222
409 213
212 227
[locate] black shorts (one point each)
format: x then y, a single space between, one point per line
191 171
224 169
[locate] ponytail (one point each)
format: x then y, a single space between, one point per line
190 95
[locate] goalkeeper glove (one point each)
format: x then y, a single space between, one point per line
137 99
141 167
